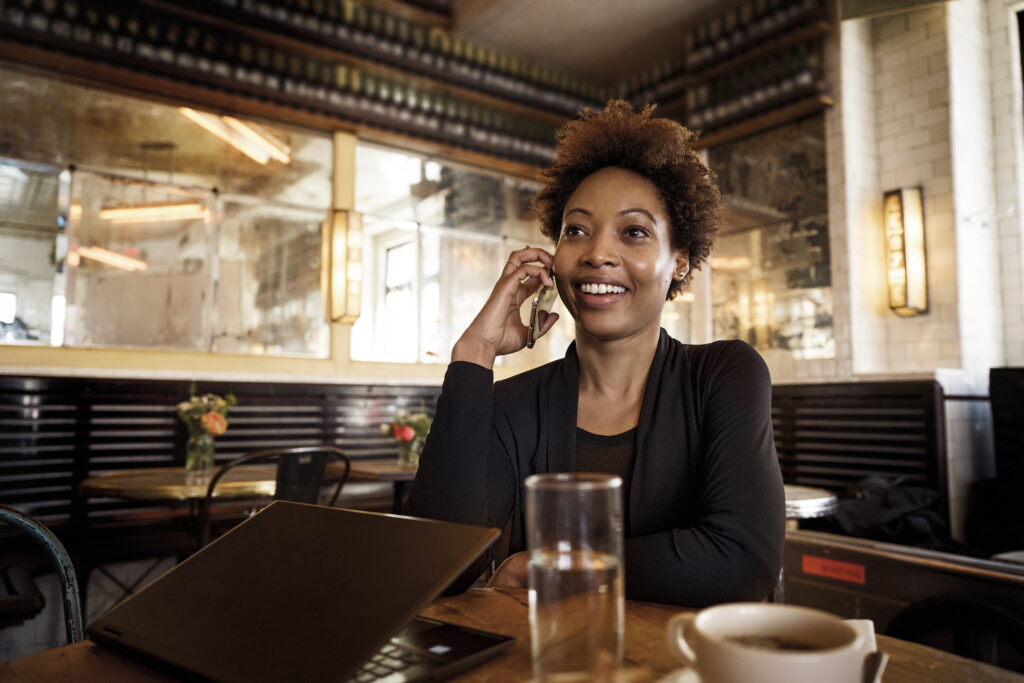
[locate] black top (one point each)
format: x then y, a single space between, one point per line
609 454
707 508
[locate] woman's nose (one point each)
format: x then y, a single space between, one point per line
601 250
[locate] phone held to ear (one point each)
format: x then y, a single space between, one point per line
542 303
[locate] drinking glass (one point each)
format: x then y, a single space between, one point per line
574 538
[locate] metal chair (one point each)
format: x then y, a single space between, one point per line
73 620
300 476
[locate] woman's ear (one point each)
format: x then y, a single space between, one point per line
682 264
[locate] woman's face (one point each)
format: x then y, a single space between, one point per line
614 260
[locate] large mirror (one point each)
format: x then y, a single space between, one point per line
110 203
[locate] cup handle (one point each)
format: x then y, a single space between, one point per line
679 632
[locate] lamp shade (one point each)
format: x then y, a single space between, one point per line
346 266
904 243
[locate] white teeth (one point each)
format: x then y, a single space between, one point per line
588 288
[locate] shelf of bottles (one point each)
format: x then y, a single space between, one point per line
154 41
372 33
754 57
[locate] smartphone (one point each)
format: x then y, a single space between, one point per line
542 303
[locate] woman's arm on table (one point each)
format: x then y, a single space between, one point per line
734 551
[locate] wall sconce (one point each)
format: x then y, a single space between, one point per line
346 266
904 244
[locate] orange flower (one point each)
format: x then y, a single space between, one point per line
215 423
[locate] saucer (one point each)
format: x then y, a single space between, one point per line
684 675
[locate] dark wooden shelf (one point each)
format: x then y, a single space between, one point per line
174 91
796 36
676 107
768 119
311 44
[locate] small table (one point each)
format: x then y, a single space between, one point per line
385 469
168 483
807 502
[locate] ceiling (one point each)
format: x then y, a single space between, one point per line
603 40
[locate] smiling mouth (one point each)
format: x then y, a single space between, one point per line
589 288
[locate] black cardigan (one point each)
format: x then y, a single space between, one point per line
707 508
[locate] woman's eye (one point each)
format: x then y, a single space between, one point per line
637 231
572 230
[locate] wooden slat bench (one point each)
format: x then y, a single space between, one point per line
55 431
833 435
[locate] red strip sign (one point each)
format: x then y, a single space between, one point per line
833 569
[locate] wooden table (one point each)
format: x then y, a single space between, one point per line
168 483
507 611
385 469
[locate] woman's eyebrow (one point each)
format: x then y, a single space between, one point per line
643 211
621 213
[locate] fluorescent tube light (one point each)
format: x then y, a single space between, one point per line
733 263
152 213
216 126
112 258
259 137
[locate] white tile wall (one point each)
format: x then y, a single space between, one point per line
1008 165
912 110
978 276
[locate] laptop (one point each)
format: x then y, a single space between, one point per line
307 593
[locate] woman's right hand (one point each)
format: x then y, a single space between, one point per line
498 328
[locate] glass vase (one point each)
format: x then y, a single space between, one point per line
199 459
409 453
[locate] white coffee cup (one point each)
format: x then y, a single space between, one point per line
751 642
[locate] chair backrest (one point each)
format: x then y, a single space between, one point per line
300 476
73 621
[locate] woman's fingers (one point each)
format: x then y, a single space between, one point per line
512 573
498 328
527 255
528 278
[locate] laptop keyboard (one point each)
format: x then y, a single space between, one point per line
388 666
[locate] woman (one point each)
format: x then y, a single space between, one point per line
632 210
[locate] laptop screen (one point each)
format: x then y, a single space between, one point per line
297 592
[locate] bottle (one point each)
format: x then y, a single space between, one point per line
125 39
225 58
146 38
264 63
721 39
170 43
63 19
729 28
416 51
84 30
245 68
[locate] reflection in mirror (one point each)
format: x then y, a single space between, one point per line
269 298
28 264
140 264
120 145
436 236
